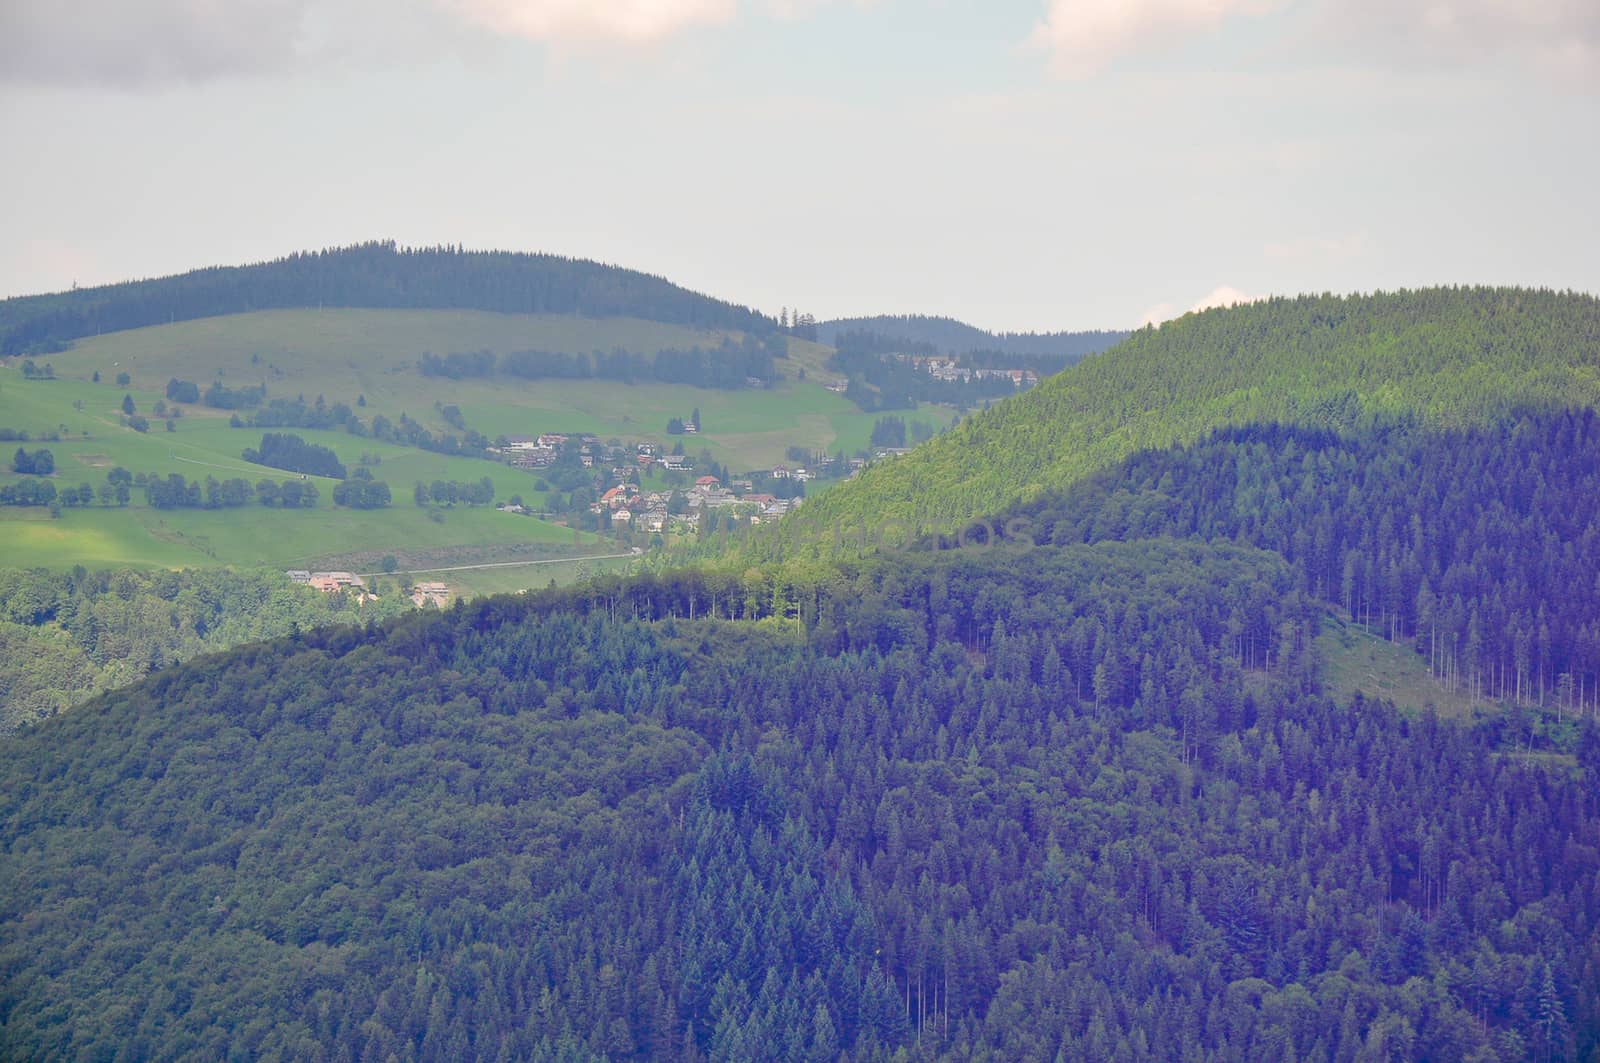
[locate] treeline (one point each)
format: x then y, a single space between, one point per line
217 395
943 335
449 492
378 275
175 491
33 463
33 492
730 366
994 803
67 635
857 341
361 493
319 414
284 450
877 382
1466 545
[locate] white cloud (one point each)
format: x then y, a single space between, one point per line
1083 36
593 21
1221 296
1559 38
115 42
123 43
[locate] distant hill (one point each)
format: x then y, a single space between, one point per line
949 336
379 275
1446 356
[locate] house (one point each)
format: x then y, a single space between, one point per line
551 439
622 516
676 462
424 593
298 575
781 472
329 582
705 482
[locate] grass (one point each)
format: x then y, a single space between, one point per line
1357 661
342 354
476 583
95 440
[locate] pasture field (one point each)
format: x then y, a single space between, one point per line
93 441
345 354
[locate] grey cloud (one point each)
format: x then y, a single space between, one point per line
1559 39
118 43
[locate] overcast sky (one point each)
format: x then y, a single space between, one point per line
1021 164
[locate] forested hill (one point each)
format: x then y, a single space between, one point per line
376 275
1079 802
949 336
1444 356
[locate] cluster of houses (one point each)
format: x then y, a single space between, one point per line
542 451
651 511
333 582
430 593
944 367
329 582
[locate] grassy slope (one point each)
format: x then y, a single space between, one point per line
345 353
1448 355
203 445
1357 661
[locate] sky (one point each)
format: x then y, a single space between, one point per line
1019 164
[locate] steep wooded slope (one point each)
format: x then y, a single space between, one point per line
1446 357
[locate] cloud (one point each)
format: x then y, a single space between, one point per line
1083 36
1559 38
119 43
137 43
1220 296
593 21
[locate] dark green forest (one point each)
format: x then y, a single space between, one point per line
1449 357
944 335
1082 802
1069 781
67 635
1479 548
730 366
377 275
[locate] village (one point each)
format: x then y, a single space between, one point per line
651 491
948 368
653 495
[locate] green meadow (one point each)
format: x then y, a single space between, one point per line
93 441
342 354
